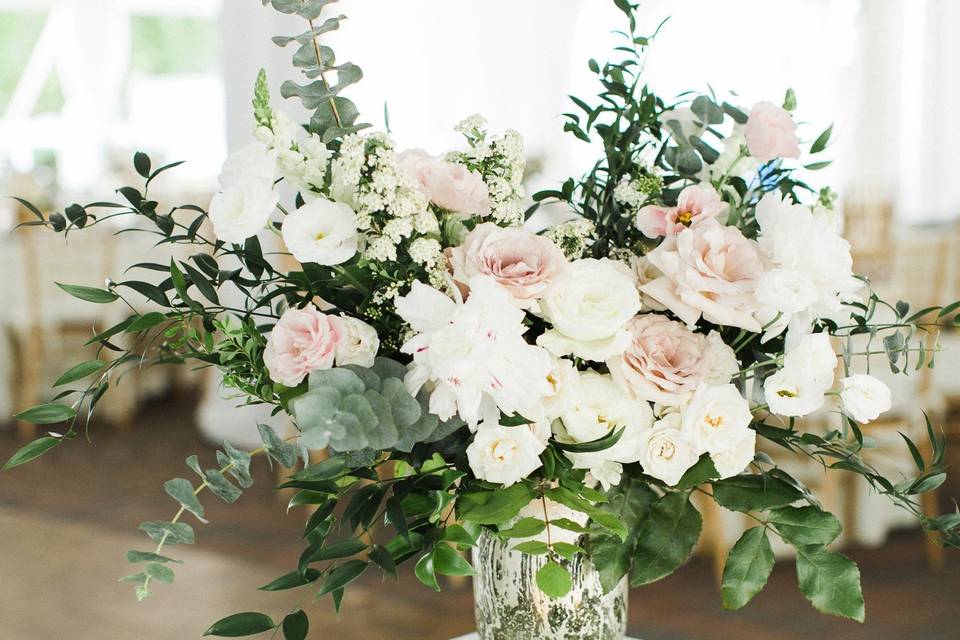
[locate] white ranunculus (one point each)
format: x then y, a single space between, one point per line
504 454
321 231
812 361
601 409
358 343
589 305
666 451
240 211
736 456
473 353
252 163
864 397
719 360
716 417
787 395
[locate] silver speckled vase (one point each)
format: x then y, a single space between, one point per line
510 606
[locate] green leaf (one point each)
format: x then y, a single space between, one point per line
830 581
448 561
292 580
458 535
523 528
79 371
666 539
532 548
383 558
702 472
159 572
182 491
31 451
141 162
241 624
805 525
200 281
747 569
341 549
600 444
146 321
169 532
342 576
218 483
89 294
148 556
567 550
425 572
821 142
494 507
47 414
554 580
630 501
754 493
296 625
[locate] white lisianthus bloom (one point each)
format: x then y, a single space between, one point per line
358 343
240 211
812 360
504 454
666 451
589 305
788 396
473 353
321 231
736 456
864 397
247 196
716 417
788 291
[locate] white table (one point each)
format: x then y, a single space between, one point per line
473 636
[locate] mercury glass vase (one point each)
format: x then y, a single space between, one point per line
510 606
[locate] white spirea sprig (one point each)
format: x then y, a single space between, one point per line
572 236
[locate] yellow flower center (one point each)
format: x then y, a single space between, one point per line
667 450
713 422
320 236
684 217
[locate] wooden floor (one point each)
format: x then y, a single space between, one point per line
67 519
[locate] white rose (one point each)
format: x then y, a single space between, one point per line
240 211
321 231
864 397
812 361
666 451
601 409
358 343
791 397
734 458
589 305
716 418
504 454
719 360
564 383
252 163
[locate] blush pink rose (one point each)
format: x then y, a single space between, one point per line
710 270
522 262
771 133
303 340
664 362
695 204
448 185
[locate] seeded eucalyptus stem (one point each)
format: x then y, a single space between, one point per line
323 79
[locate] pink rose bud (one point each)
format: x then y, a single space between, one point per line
771 133
303 340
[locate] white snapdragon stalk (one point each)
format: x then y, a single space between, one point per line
864 397
321 231
504 454
358 342
589 306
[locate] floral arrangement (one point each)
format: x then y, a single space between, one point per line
458 367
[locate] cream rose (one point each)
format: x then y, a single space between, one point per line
711 271
504 454
589 305
666 451
716 418
522 262
732 459
358 343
